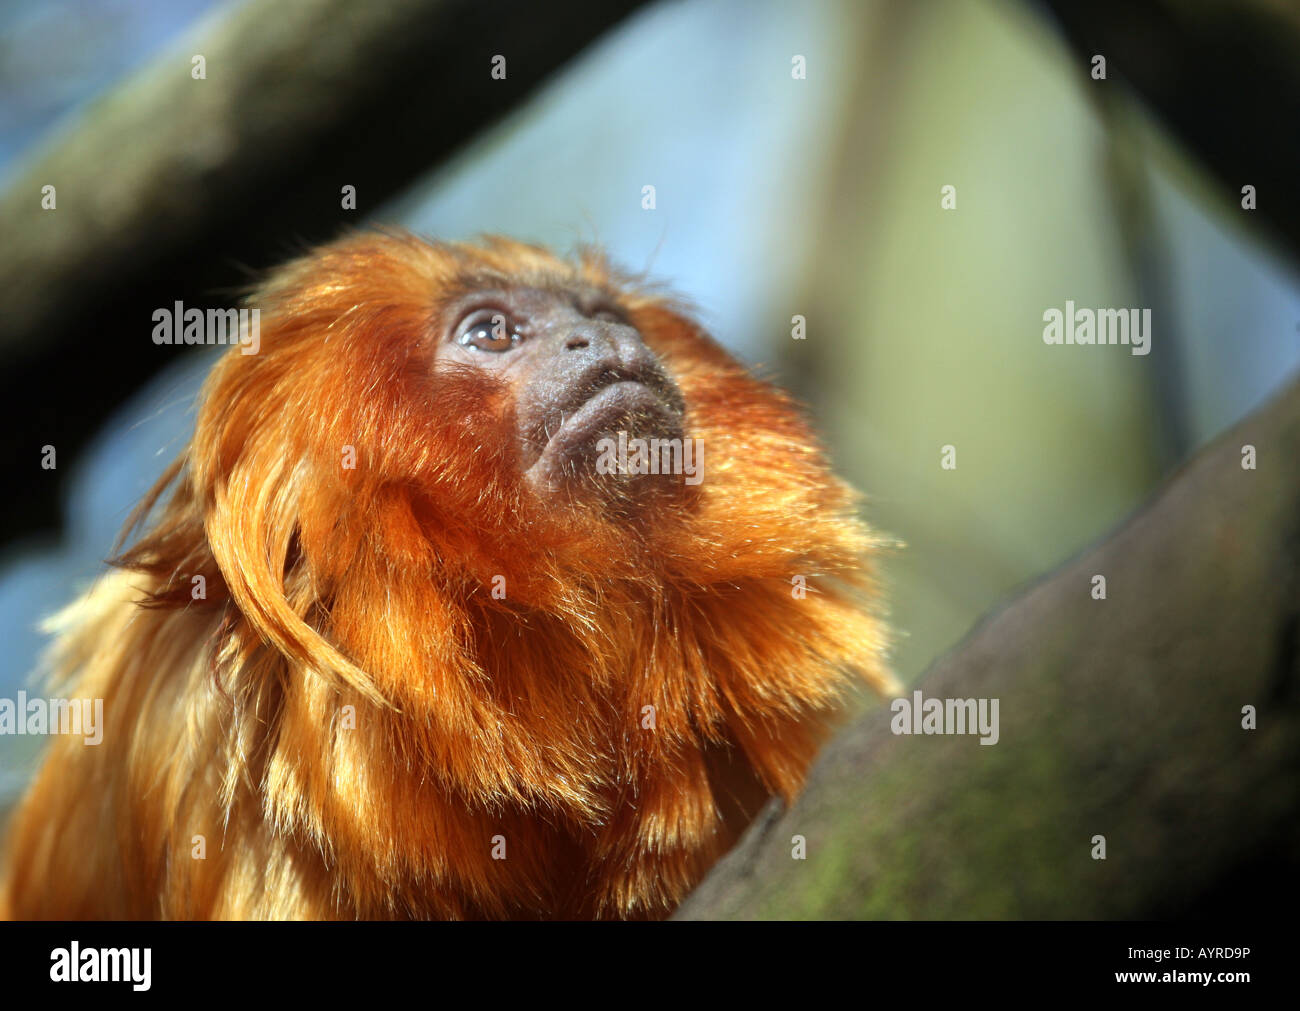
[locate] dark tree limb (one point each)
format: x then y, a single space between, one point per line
1119 717
173 188
1223 76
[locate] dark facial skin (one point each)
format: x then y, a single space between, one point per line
580 372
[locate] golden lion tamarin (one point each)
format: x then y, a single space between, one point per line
501 615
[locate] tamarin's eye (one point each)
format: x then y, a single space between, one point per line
488 330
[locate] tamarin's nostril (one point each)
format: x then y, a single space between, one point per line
576 342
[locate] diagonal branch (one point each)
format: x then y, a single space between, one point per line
1119 717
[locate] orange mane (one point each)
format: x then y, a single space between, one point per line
349 723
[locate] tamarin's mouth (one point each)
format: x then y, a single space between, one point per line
573 443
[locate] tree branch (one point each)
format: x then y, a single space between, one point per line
1119 717
174 188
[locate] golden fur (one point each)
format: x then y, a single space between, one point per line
472 718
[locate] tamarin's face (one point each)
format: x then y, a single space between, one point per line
490 401
577 366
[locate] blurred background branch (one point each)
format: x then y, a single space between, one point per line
175 188
1223 76
1120 718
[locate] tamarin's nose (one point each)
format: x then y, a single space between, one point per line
617 340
